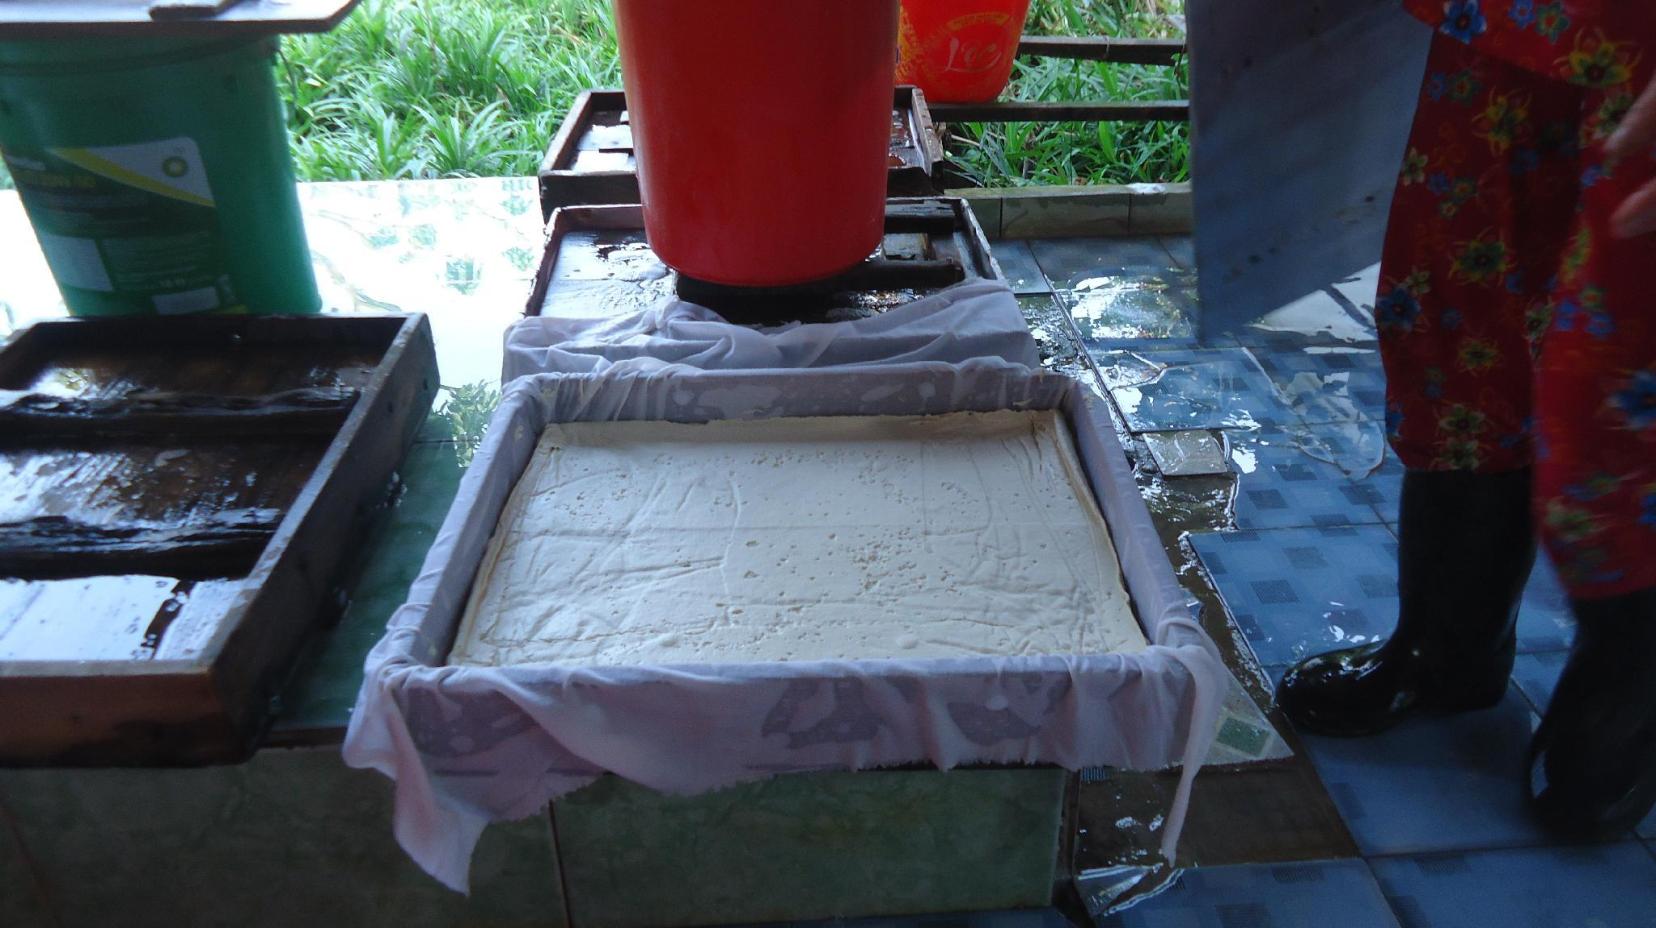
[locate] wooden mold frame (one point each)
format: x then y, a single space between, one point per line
930 243
596 129
60 19
212 706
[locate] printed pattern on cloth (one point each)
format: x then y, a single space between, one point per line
1515 329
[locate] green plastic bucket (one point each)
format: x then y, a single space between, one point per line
156 174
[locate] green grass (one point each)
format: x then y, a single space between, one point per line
1020 154
453 88
442 88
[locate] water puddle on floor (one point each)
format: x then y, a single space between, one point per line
111 618
1357 447
1135 307
1049 326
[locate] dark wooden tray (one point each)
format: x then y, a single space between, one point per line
60 19
177 499
598 262
590 161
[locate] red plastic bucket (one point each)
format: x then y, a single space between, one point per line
960 51
761 130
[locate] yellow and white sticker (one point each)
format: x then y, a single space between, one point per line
170 168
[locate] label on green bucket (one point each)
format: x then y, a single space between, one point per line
132 221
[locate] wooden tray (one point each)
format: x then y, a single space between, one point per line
590 160
179 498
597 261
58 19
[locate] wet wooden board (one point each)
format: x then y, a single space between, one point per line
597 259
176 501
590 161
30 417
42 19
216 544
1103 48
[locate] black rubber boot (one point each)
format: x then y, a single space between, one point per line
1593 762
1466 547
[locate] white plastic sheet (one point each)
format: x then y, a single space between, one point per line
470 745
976 319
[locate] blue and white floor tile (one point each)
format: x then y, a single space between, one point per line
1439 803
1283 484
1071 263
1301 895
1160 391
1435 784
1608 886
1358 447
1297 592
1328 384
1151 312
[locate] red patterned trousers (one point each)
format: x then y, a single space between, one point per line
1516 331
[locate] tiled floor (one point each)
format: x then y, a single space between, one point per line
1281 485
1611 886
1302 553
1435 785
1328 384
1151 310
1191 389
1340 892
1295 592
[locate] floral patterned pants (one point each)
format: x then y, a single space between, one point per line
1516 332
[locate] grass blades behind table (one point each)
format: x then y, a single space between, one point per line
1029 154
450 88
442 88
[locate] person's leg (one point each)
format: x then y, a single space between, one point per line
1481 215
1594 770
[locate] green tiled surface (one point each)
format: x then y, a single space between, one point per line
325 684
811 846
292 838
21 901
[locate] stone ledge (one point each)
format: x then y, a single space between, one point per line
1068 212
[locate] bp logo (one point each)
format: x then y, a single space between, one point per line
175 167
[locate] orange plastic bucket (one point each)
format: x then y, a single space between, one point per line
761 131
960 51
